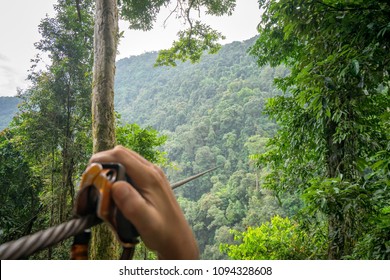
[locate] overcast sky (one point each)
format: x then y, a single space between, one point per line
19 21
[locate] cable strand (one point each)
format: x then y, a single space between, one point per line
30 244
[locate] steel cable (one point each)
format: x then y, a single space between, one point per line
30 244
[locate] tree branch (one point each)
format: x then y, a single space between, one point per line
170 14
78 10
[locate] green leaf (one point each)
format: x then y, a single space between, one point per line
355 67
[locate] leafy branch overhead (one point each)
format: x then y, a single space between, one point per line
193 41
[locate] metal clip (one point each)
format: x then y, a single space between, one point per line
95 197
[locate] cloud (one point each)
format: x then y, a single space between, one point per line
10 78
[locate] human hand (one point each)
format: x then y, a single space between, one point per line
152 208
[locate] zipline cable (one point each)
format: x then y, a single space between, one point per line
30 244
182 182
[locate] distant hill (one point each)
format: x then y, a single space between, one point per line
142 88
8 108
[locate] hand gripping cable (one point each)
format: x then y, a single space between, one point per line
93 206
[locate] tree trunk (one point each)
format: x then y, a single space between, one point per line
103 117
339 232
105 48
335 246
51 221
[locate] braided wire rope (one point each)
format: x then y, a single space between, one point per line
30 244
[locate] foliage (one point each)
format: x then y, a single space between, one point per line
193 41
331 115
279 239
375 244
140 14
191 45
19 191
143 141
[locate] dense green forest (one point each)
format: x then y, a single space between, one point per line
297 120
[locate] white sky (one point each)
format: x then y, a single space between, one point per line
19 21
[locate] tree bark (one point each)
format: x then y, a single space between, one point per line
335 246
339 232
103 244
105 48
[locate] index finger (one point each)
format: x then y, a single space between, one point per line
136 166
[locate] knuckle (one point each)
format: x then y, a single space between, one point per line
159 173
119 148
118 151
157 176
